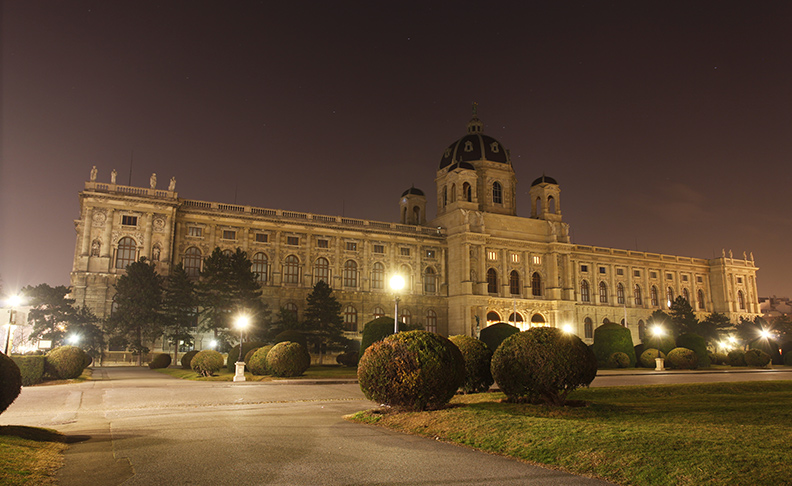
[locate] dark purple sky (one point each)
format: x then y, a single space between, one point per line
667 124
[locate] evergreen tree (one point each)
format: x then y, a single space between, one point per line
83 324
683 319
179 305
714 326
51 311
323 323
137 316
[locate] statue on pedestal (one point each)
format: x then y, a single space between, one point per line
93 174
153 181
172 185
113 176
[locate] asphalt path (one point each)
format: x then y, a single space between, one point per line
134 426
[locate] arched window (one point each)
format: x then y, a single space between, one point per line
637 295
641 330
378 276
192 261
497 193
620 293
588 328
740 300
670 296
430 281
127 250
514 282
259 267
686 295
585 294
466 192
493 316
492 281
453 192
538 206
292 308
700 295
538 320
536 284
603 293
405 316
350 319
321 271
515 317
350 274
378 312
654 297
431 321
445 196
291 270
551 205
416 215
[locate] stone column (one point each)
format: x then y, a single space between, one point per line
145 251
85 244
107 247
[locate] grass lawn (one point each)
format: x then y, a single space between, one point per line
314 372
29 455
725 433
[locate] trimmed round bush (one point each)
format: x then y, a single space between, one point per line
543 364
288 359
788 358
757 357
736 357
292 336
413 370
611 338
478 357
618 360
682 359
31 368
10 382
233 355
376 330
160 361
639 349
257 363
698 344
187 358
495 334
249 354
770 347
719 358
207 362
348 358
649 356
65 362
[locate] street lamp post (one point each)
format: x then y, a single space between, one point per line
396 283
241 323
658 332
13 302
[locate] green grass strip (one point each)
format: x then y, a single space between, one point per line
29 455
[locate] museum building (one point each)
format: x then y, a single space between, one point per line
474 264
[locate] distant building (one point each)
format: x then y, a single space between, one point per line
772 307
475 263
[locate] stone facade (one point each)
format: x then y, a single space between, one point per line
476 263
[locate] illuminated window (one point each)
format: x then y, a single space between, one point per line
585 294
431 321
537 260
492 281
431 254
536 284
192 261
291 270
259 267
350 318
350 274
515 258
492 255
514 282
321 271
126 252
603 293
378 276
497 193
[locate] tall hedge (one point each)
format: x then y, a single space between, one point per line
31 368
611 338
493 335
10 382
478 357
413 370
698 344
543 364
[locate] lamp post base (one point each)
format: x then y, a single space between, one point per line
240 371
660 363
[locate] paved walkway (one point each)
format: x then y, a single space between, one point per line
134 426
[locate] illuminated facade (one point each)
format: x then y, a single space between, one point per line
475 263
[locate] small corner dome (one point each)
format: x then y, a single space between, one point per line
413 190
544 180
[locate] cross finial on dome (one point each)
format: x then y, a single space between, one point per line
475 125
475 109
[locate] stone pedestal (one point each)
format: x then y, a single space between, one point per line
659 362
240 371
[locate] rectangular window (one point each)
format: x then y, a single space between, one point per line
194 231
739 280
292 240
129 220
584 268
699 279
492 255
351 246
229 234
322 243
261 237
404 251
619 271
684 278
379 248
669 276
430 254
537 260
653 274
515 258
636 273
601 269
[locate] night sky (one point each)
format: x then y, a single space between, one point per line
668 125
